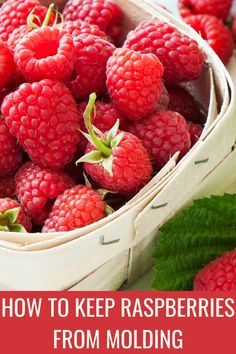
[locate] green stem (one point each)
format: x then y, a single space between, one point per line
30 20
87 116
48 15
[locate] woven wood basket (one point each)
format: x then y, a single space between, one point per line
118 249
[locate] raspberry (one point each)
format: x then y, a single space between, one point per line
43 117
105 14
180 55
7 187
75 208
89 74
131 168
195 131
163 134
218 8
17 35
118 162
37 188
134 82
21 218
77 27
106 117
10 153
182 102
14 13
219 275
216 34
114 29
7 65
45 53
164 99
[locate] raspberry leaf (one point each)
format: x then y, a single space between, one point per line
116 141
12 215
87 136
192 239
107 164
18 228
94 156
8 221
113 131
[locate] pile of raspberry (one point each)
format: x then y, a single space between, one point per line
85 115
213 21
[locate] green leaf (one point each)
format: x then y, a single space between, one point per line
99 132
87 136
17 228
116 141
107 164
94 156
11 215
103 192
4 228
192 239
109 210
113 131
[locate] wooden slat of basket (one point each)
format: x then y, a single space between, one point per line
103 279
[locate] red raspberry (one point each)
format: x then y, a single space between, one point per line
17 35
14 13
218 8
131 168
75 208
89 74
7 187
7 204
43 117
114 29
163 134
103 13
45 53
219 275
182 102
195 131
216 34
134 82
7 67
37 188
10 153
180 55
164 99
118 161
106 117
75 28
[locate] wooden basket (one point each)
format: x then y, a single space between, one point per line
119 248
